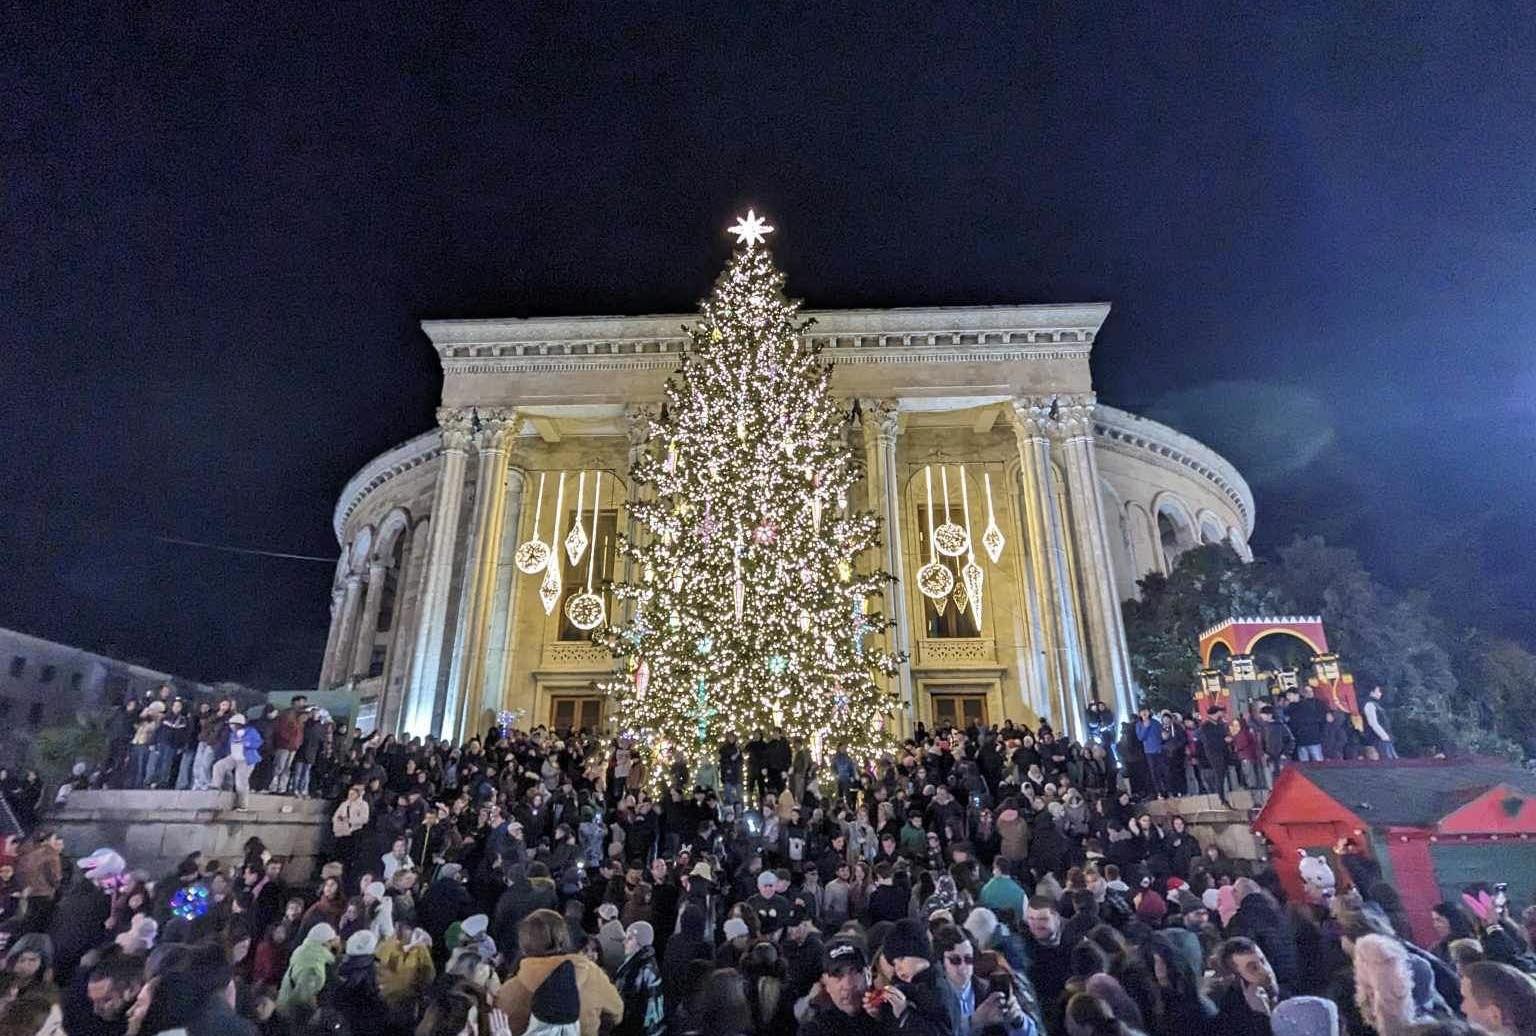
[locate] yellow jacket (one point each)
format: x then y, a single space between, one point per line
404 973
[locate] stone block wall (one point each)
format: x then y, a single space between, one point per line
155 830
1229 828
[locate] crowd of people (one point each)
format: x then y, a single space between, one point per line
993 881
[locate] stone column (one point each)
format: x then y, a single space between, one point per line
881 430
427 655
1108 655
368 624
347 643
1045 559
504 600
413 570
328 661
497 431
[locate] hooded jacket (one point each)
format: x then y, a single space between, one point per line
598 996
307 971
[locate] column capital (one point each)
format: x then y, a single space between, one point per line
882 417
456 427
354 581
495 428
1061 416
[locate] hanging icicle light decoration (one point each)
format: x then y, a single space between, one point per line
949 538
586 610
934 580
576 542
971 575
532 555
992 540
549 588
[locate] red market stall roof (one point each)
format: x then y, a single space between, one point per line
1400 809
1240 635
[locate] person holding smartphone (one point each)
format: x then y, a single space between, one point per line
978 1006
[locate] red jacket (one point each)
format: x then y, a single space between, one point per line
288 730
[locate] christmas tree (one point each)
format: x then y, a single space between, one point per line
749 613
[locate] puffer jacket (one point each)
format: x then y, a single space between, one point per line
307 971
639 984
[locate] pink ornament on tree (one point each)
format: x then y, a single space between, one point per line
642 676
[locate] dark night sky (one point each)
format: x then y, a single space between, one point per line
1317 228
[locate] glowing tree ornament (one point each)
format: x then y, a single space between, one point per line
992 540
549 587
971 575
934 580
532 555
738 547
949 538
576 542
586 610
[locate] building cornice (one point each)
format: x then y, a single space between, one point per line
1143 438
942 334
395 461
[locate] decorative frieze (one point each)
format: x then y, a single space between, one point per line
957 653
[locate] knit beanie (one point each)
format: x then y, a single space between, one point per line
642 933
907 938
1305 1016
556 1001
362 943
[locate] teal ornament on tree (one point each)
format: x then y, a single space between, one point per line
777 664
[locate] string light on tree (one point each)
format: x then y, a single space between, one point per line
756 576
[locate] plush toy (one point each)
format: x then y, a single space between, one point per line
1317 876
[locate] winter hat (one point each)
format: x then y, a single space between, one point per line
982 925
736 928
608 911
321 932
374 890
1108 989
102 864
767 880
450 870
556 1001
1305 1016
907 938
474 926
32 942
642 933
1210 899
362 943
419 937
140 936
702 870
1187 900
237 718
1150 906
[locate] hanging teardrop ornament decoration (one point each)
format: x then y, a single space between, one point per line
959 597
992 540
949 538
934 580
549 588
586 610
532 555
576 542
970 575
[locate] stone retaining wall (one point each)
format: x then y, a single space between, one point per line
1229 827
156 829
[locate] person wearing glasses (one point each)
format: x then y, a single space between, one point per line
976 1005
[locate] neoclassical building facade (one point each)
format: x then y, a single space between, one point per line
436 631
